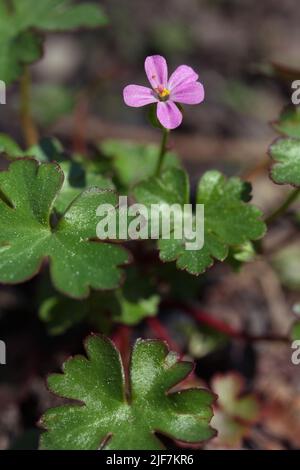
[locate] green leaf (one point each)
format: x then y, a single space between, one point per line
133 162
131 313
130 304
244 253
137 299
198 340
61 313
235 411
17 51
178 285
286 154
20 44
64 15
47 150
241 254
108 417
204 341
77 178
101 309
9 147
172 187
295 332
289 122
78 175
229 220
28 234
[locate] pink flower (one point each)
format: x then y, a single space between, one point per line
181 87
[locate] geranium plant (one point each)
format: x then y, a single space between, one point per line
129 392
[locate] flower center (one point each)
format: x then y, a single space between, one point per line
162 92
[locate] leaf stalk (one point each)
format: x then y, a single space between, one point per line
163 151
29 129
284 206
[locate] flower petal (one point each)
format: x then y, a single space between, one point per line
168 114
188 93
136 95
157 70
183 74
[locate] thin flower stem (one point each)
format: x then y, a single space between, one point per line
162 152
283 208
28 127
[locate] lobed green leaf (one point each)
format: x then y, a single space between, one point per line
112 415
229 220
286 155
135 300
235 411
28 235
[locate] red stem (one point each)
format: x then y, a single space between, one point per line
162 333
219 325
223 327
122 340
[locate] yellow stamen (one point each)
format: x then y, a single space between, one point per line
165 92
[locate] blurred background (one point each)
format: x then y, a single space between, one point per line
247 55
245 52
